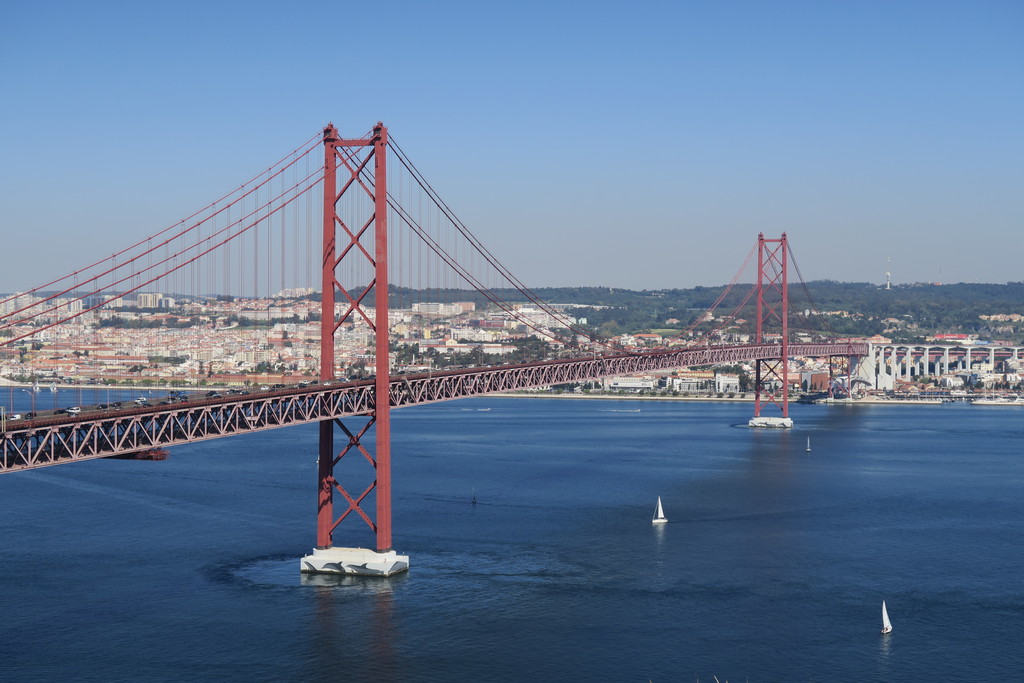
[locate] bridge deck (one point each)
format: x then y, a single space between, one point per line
104 433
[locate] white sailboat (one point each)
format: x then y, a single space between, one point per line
886 626
808 444
659 514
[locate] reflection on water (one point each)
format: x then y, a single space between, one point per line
339 632
883 655
659 535
365 584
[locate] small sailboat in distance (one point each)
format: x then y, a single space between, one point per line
886 626
808 444
659 514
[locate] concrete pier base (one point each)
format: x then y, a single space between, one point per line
771 422
360 561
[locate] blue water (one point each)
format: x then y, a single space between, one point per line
773 566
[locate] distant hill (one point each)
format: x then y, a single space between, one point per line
921 309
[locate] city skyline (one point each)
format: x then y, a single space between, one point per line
878 136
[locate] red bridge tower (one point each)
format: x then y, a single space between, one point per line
360 240
771 381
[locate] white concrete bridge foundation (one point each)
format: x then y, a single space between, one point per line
360 561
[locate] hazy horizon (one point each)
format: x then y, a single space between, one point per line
577 286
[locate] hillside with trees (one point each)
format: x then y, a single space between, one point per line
904 312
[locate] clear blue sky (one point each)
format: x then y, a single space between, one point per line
628 144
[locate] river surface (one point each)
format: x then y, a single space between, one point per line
773 566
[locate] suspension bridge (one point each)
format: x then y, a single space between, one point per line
354 219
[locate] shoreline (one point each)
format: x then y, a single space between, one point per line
872 400
44 388
613 397
715 399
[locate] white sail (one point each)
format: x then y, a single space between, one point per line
659 514
886 626
808 444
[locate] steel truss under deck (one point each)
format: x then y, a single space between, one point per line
55 441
